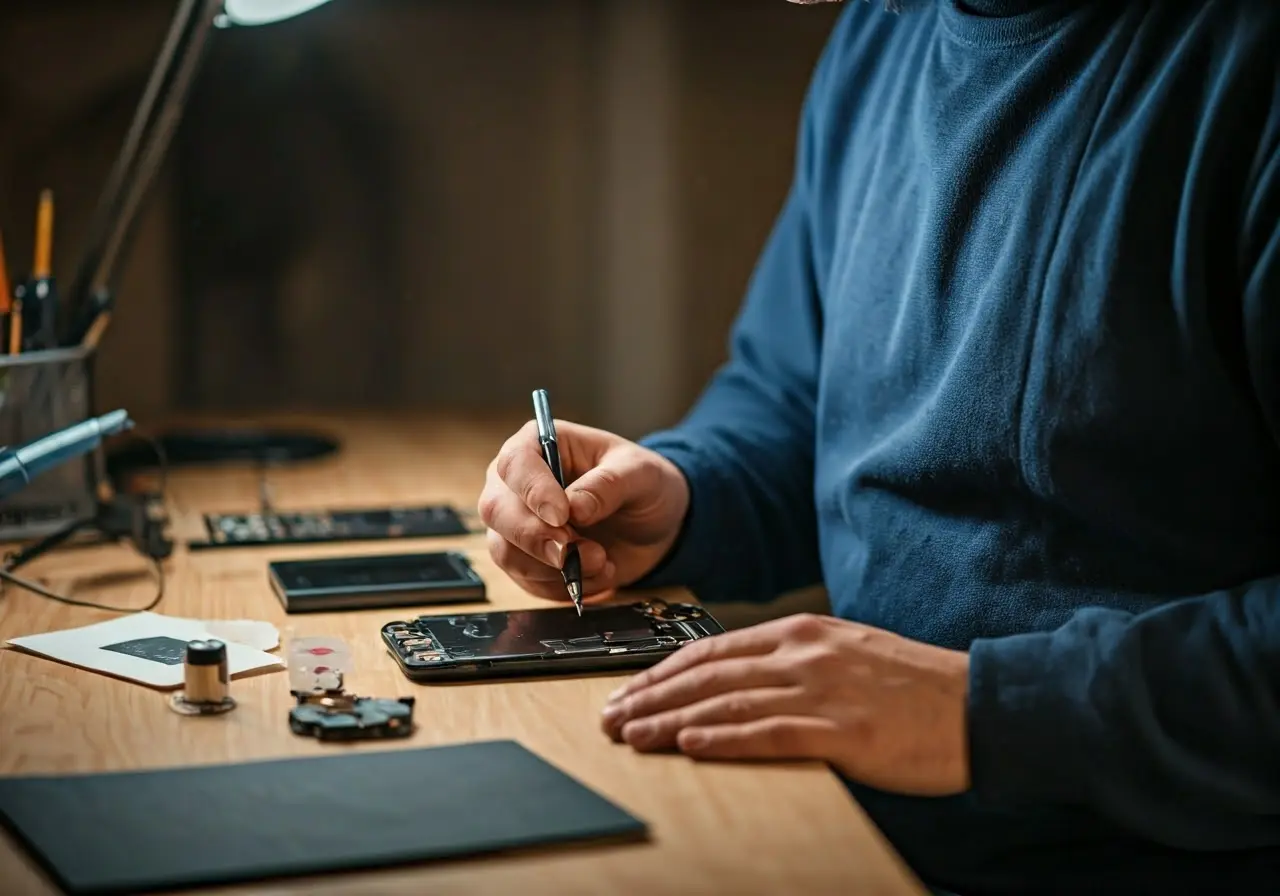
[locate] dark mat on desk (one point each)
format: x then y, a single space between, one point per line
129 832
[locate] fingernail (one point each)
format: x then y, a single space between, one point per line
554 552
587 505
547 513
693 739
616 694
638 733
611 711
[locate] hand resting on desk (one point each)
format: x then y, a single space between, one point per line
881 709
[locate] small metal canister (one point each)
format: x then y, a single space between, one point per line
207 682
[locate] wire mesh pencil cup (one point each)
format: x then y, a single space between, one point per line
42 391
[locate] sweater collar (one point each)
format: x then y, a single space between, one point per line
1000 8
1005 22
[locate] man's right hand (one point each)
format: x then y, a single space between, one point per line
623 504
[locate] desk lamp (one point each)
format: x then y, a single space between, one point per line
146 142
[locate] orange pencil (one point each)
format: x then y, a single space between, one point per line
6 288
44 237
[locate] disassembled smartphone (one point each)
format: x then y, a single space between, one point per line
553 641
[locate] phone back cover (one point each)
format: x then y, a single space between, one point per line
129 832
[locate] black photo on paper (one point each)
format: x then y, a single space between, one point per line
169 651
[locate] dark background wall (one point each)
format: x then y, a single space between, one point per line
420 204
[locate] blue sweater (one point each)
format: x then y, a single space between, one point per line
1007 378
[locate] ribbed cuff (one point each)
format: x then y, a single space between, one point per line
690 556
1025 732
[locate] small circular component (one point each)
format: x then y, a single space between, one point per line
361 719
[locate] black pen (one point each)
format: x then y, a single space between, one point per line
572 570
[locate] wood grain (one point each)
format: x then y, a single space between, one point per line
716 828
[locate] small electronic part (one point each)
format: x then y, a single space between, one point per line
317 667
318 664
335 715
275 528
206 679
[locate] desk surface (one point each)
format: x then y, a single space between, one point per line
718 828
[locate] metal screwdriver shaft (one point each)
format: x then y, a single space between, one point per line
572 568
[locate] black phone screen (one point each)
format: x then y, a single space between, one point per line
353 573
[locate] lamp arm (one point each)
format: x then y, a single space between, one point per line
145 146
109 202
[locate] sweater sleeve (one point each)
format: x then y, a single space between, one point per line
1168 721
747 446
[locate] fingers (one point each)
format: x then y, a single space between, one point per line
537 577
531 551
602 471
503 512
515 561
680 692
521 466
662 730
753 641
769 737
601 491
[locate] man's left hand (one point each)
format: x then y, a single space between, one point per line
881 709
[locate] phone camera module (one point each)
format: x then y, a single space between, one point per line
660 609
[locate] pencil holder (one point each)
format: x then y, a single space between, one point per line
40 392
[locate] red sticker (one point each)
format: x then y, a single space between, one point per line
320 651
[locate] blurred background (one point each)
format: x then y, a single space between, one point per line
419 205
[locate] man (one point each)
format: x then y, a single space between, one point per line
1007 381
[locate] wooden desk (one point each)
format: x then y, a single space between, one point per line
716 828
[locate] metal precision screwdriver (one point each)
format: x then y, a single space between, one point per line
572 568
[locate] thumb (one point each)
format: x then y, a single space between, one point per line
602 490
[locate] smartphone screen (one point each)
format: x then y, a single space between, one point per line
354 573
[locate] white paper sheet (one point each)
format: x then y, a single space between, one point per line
249 632
142 647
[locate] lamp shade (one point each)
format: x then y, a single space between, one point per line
263 12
